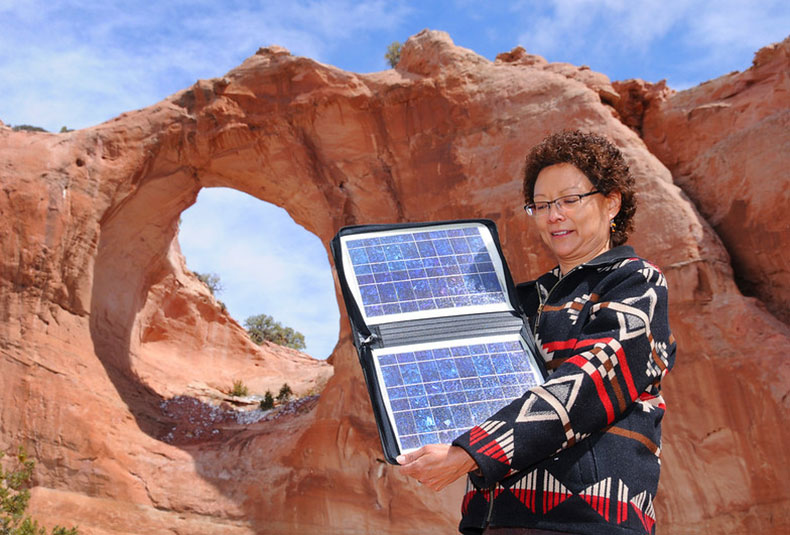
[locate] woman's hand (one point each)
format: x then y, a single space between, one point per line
437 465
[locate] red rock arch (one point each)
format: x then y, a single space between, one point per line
441 137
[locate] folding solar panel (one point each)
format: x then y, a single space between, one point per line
437 326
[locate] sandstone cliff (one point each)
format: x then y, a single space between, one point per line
100 323
726 143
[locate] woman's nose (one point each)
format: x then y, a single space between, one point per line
554 212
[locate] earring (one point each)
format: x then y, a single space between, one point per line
612 225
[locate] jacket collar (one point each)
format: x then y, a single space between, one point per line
548 280
613 255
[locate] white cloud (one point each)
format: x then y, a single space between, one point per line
79 63
728 23
602 25
697 35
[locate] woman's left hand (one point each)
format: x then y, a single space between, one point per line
437 465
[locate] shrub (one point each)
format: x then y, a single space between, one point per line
285 393
239 389
393 53
268 401
263 327
27 128
212 282
14 498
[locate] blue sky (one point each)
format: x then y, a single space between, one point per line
78 63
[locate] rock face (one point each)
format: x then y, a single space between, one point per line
100 324
727 143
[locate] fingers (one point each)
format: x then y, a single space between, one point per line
407 458
428 465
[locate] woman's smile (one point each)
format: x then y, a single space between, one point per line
560 233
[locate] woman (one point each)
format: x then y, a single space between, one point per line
581 450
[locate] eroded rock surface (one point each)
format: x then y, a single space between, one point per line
100 322
727 143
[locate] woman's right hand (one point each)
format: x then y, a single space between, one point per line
437 465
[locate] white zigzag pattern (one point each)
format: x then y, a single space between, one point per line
508 445
547 355
572 311
491 426
602 489
649 272
617 265
622 501
644 502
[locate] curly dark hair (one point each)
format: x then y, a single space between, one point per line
598 159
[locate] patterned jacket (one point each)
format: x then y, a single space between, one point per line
580 453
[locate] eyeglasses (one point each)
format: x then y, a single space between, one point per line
563 204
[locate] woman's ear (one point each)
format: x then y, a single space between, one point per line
613 201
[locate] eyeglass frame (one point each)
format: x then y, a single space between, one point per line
531 211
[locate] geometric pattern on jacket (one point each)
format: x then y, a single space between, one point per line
580 453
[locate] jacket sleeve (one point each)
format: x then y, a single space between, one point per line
624 349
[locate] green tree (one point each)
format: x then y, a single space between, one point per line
27 128
263 327
393 53
285 393
268 401
239 389
14 498
212 282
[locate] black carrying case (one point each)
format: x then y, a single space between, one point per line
368 337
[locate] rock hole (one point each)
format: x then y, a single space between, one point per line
267 264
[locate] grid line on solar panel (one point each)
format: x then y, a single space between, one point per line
436 395
428 270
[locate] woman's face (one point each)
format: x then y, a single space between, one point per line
576 234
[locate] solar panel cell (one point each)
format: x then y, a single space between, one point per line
392 375
459 351
474 393
419 402
411 374
455 398
434 388
508 379
402 358
399 405
405 421
447 369
479 412
437 400
444 418
375 254
483 365
465 366
429 371
452 386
